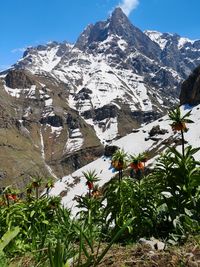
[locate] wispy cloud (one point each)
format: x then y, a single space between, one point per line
17 50
128 6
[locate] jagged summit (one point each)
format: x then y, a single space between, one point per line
117 25
100 31
118 18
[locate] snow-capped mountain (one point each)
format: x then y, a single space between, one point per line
115 65
69 99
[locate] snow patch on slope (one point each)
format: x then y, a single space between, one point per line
17 92
133 144
106 130
75 141
182 41
157 37
43 156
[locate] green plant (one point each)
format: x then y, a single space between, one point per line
91 177
57 256
89 253
177 179
131 199
49 185
137 163
36 183
119 162
179 123
41 221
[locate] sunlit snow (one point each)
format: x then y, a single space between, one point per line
133 144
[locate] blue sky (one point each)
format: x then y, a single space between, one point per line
31 22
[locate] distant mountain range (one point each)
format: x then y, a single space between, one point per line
61 103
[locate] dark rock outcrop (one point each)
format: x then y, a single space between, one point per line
110 150
19 79
80 158
72 121
99 114
83 94
55 121
145 116
156 130
190 90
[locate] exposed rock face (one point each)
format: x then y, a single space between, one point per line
83 94
144 117
18 79
72 121
179 53
117 25
156 130
82 157
37 126
55 121
110 150
107 111
190 90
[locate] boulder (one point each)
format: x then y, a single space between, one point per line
155 244
110 150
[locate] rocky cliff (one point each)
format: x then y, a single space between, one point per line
190 90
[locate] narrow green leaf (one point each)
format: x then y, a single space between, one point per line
32 213
8 236
45 222
188 212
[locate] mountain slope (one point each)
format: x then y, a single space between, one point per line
71 99
134 143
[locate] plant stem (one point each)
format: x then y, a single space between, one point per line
89 193
120 175
7 200
37 192
183 143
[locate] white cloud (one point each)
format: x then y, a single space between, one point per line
16 50
128 5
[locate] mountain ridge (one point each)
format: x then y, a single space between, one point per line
74 97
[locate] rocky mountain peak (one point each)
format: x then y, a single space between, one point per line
119 22
118 19
116 24
117 27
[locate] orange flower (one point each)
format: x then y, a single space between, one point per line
179 126
11 196
14 197
96 193
118 165
137 166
